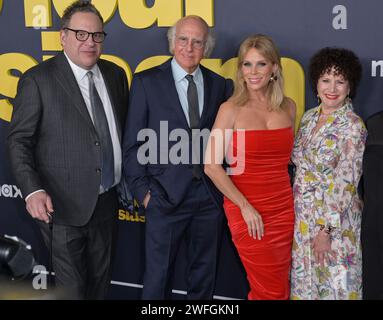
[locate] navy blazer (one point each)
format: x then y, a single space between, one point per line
153 99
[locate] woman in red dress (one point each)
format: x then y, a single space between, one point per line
255 127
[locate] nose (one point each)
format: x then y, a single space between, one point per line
333 86
90 41
189 46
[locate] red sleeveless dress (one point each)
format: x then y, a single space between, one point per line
266 185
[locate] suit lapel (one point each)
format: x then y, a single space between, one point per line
167 85
68 82
207 97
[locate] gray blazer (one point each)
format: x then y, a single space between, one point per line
52 140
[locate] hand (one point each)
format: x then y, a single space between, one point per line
253 220
146 200
322 248
39 205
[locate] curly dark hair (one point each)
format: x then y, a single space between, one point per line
79 6
345 62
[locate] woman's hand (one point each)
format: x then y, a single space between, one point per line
322 248
253 220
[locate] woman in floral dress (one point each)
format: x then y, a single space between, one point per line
327 257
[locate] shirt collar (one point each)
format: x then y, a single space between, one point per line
179 73
80 73
346 107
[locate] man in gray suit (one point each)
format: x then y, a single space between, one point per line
64 146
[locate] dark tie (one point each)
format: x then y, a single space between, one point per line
193 119
102 128
193 103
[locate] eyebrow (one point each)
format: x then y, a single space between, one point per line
255 61
333 74
185 36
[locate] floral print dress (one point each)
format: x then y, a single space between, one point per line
328 170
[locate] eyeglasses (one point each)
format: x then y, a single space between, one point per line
196 44
82 35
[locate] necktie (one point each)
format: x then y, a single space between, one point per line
102 128
193 120
193 103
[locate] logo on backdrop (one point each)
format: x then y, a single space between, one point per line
10 191
134 215
375 66
38 15
340 20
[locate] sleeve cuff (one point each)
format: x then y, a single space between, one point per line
32 193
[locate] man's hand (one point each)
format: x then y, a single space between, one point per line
146 200
39 206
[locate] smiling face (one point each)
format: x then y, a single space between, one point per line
256 70
188 52
332 89
85 54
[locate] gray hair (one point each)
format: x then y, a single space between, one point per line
210 41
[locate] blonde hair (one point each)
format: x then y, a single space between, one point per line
266 47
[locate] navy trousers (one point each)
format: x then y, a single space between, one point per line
196 220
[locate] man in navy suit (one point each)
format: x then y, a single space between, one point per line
177 98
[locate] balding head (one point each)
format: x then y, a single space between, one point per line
197 21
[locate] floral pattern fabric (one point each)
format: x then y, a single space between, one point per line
328 170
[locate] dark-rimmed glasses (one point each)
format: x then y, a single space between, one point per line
82 35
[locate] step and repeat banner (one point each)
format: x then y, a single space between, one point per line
29 34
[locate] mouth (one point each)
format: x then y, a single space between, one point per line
254 80
332 96
89 52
